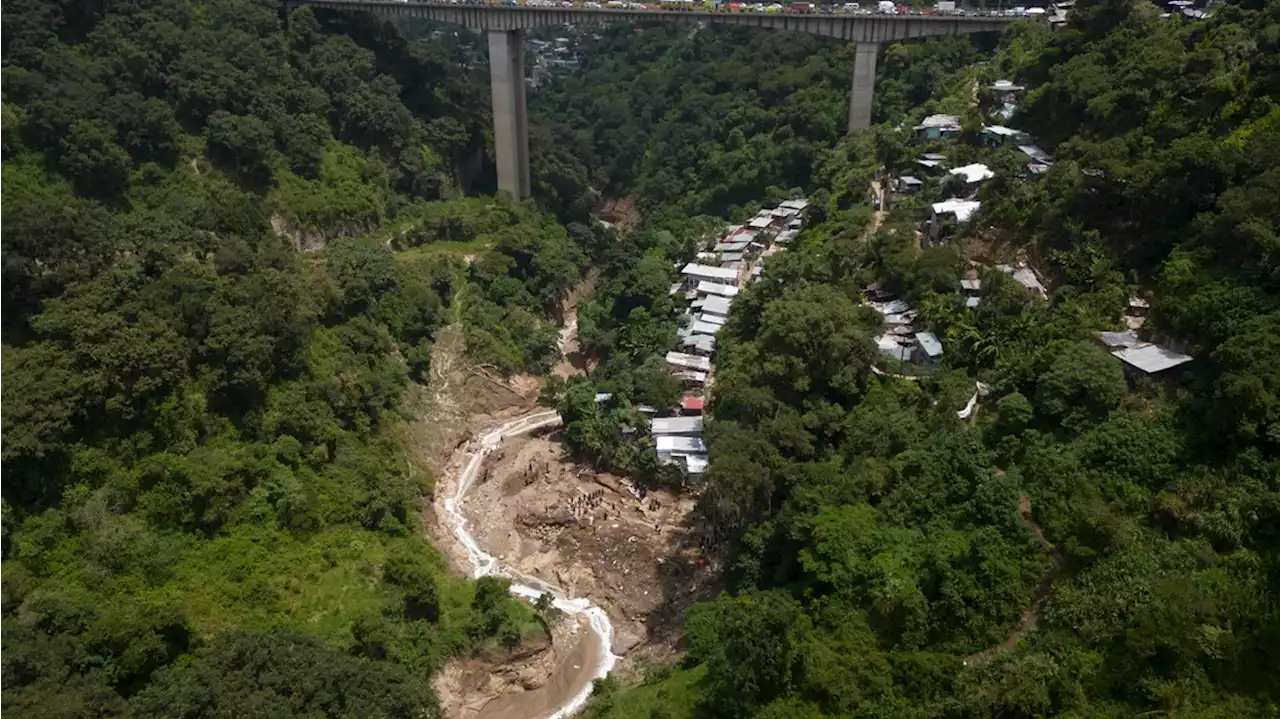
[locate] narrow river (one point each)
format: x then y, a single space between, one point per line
570 686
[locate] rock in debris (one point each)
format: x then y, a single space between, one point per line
625 639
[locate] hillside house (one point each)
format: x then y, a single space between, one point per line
938 127
997 135
930 348
954 211
974 174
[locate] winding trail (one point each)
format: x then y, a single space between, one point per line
1031 614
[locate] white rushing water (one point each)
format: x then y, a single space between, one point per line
485 564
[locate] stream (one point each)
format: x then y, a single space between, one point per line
528 587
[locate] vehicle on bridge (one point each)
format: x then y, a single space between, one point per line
883 7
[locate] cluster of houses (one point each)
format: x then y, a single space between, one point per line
1140 357
899 340
955 212
551 57
726 265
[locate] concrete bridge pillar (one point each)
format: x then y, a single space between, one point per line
864 82
510 115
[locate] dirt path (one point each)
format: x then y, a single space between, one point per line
877 217
572 360
1031 615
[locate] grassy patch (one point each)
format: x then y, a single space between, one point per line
666 693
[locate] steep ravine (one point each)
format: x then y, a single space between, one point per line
569 684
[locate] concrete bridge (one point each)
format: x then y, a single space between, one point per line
505 25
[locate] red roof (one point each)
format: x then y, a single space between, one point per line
691 403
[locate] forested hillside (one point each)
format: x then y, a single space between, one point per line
710 121
207 508
206 500
1083 545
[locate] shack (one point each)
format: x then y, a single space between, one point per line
930 348
936 127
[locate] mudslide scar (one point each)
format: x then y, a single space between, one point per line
572 682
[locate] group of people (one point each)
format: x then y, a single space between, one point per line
583 503
719 532
531 476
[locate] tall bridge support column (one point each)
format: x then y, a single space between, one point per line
864 83
510 114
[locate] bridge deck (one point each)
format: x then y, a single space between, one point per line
842 26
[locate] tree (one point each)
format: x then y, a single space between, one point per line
753 647
1247 396
813 344
1082 384
243 142
273 674
89 155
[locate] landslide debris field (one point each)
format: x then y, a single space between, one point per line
594 535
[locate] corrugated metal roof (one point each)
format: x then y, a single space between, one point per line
1025 276
1002 131
680 359
1119 339
962 209
676 443
898 353
929 343
700 327
705 343
710 273
760 222
939 121
1036 154
717 305
891 307
712 288
1152 358
675 425
977 172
